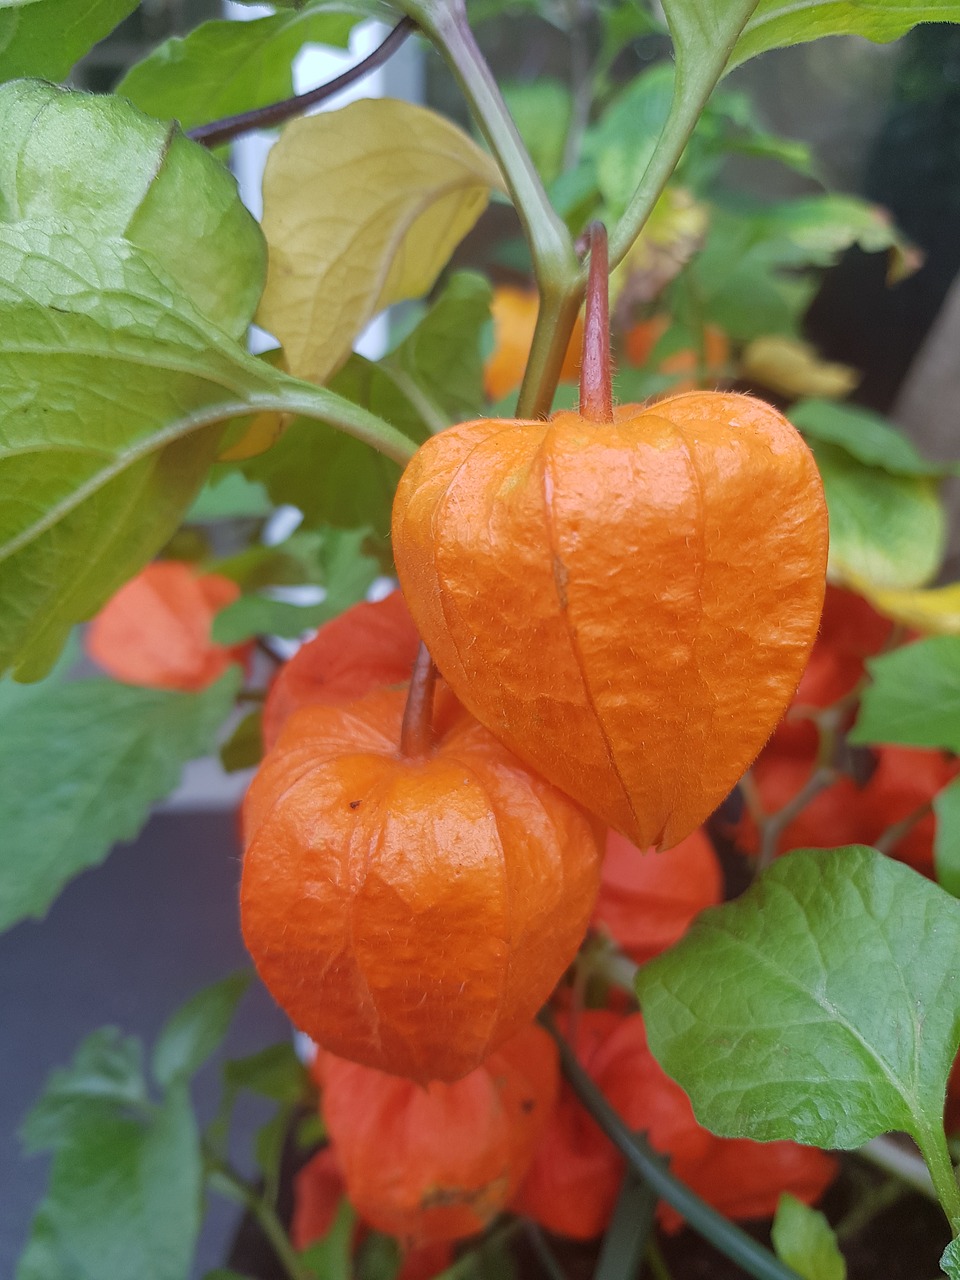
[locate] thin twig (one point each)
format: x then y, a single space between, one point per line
889 839
772 828
722 1234
218 132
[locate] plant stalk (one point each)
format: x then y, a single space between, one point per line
692 87
596 389
416 732
217 132
757 1261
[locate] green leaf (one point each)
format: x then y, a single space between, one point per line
541 109
740 280
82 762
946 844
229 495
330 1258
46 37
106 1074
818 229
196 1030
621 143
118 313
823 1006
886 531
346 571
914 696
225 67
805 1241
432 378
776 23
124 1200
128 269
244 748
275 1072
866 436
950 1261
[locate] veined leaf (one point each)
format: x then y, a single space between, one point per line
823 1006
913 697
805 1241
128 270
99 753
935 610
106 1074
414 184
224 67
124 1199
46 37
776 23
886 531
866 436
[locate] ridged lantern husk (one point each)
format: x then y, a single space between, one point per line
410 913
628 605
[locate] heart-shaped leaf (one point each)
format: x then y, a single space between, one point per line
823 1006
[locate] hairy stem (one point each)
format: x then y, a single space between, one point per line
596 389
218 132
416 732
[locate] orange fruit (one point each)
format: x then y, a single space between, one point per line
627 605
156 630
437 1163
410 912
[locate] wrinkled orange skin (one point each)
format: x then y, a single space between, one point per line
410 913
318 1190
365 648
647 904
639 343
439 1163
514 319
156 630
575 1177
629 606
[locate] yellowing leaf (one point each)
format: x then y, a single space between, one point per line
673 233
935 610
793 369
362 208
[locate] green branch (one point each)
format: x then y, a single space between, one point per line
723 1235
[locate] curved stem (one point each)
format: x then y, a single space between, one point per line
933 1148
725 1236
416 732
596 389
445 22
218 132
700 64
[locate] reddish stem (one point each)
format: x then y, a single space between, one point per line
596 391
416 732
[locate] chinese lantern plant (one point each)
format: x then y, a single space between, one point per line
621 601
533 555
411 892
